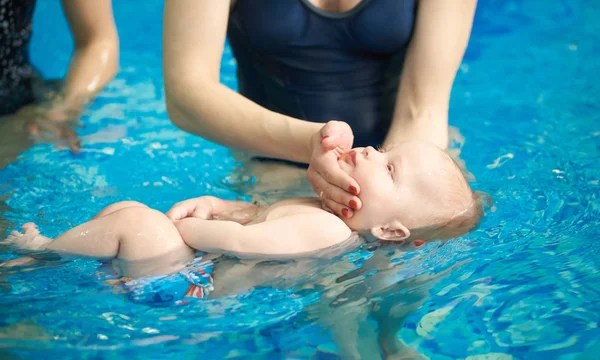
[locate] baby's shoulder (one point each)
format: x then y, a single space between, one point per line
295 207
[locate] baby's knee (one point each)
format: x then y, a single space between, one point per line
146 233
143 217
144 222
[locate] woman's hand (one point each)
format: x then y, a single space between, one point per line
338 190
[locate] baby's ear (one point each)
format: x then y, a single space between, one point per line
394 231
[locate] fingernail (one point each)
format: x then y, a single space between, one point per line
353 204
323 138
353 190
345 212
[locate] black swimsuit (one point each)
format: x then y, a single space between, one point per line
17 75
298 60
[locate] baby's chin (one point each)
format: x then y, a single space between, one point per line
358 221
353 223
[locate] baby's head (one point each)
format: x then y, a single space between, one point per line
411 191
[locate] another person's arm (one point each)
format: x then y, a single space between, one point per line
95 60
289 236
93 64
440 38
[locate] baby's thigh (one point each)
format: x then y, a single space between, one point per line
118 206
146 233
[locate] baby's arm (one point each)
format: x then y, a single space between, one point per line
212 208
289 236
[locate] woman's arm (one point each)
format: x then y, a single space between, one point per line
440 38
93 64
193 41
96 57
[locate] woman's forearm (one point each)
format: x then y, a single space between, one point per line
217 113
412 123
193 39
440 38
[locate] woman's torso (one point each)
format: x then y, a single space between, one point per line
298 60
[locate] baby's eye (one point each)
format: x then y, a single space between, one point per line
381 150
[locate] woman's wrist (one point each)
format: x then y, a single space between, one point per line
431 127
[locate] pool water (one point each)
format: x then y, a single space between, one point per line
523 286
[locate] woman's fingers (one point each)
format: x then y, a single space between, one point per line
341 196
338 190
336 199
337 208
327 168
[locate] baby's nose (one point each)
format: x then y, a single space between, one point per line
370 151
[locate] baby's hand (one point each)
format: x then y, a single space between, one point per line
199 208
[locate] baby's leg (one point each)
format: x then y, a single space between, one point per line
118 206
131 233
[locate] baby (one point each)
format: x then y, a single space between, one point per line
411 194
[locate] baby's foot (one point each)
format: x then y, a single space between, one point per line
30 239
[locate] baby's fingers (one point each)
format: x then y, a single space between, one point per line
177 212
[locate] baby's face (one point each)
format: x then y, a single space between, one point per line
397 183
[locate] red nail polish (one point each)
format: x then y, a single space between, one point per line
353 190
323 138
345 212
353 204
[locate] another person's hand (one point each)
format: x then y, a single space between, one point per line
199 208
338 190
53 122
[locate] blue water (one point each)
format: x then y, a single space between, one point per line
523 286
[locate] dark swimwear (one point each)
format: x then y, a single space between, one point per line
17 75
298 60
